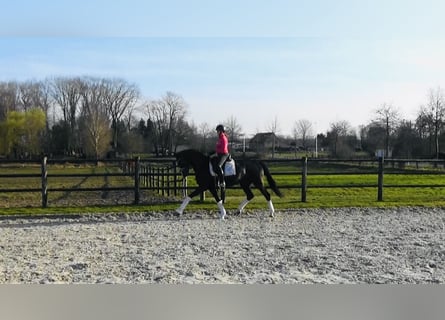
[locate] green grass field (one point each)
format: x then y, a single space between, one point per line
323 191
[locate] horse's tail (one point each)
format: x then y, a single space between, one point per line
270 180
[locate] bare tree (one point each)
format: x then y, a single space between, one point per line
274 128
423 123
95 122
96 133
28 93
435 114
9 98
302 129
430 121
66 94
337 137
205 132
425 129
166 114
388 117
233 128
43 99
406 141
120 98
131 115
36 94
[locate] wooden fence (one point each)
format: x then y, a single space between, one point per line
379 167
163 176
159 175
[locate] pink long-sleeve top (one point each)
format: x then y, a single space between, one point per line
222 146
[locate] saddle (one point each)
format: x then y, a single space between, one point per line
229 168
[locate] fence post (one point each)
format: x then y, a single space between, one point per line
168 181
144 175
184 186
380 180
158 180
175 178
304 179
44 183
136 179
163 181
150 177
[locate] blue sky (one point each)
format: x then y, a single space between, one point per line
323 61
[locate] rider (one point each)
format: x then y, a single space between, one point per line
222 153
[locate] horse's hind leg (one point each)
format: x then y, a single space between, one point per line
184 204
223 195
271 208
269 201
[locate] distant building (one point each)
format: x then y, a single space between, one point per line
263 142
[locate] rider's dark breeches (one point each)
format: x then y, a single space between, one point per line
217 165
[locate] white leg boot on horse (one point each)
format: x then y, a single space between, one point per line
242 205
222 210
184 204
271 208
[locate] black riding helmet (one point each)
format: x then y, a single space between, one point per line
220 127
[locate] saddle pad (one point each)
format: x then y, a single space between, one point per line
229 168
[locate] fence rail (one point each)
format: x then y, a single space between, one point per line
164 177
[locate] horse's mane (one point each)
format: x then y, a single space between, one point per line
192 155
190 152
194 158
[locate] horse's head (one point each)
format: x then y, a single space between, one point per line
191 158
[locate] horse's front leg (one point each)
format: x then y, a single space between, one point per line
268 199
187 199
219 202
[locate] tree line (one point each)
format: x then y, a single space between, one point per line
98 117
86 117
388 131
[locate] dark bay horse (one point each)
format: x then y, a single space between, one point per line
248 173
